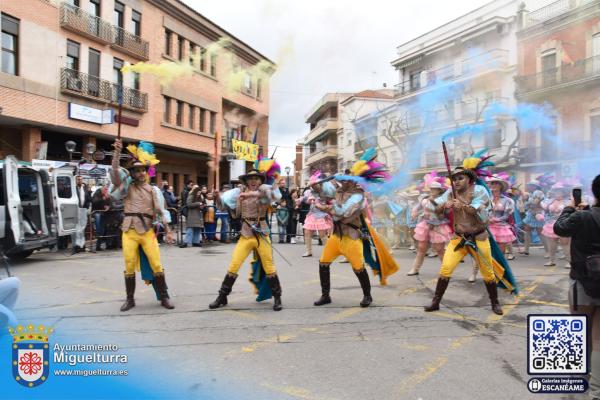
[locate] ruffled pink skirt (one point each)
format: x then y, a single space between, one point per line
318 224
502 233
548 230
432 233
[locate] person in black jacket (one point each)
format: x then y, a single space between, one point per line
582 224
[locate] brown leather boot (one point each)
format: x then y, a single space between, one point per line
440 289
161 286
492 290
325 278
130 290
276 290
365 284
226 288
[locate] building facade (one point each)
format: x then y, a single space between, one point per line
559 64
321 143
61 81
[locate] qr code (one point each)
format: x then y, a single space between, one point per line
557 344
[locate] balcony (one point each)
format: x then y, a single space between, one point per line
321 129
91 87
321 154
581 72
474 109
131 44
485 62
79 21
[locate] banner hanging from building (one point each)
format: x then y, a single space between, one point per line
244 150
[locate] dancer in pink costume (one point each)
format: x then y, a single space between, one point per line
433 228
553 207
318 219
501 212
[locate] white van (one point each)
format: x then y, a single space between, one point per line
35 207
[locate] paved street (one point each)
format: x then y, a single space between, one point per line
391 350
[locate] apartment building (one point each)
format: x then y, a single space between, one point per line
559 64
61 81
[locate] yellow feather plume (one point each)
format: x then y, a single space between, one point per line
471 163
359 167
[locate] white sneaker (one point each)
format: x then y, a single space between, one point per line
567 265
293 240
546 255
307 254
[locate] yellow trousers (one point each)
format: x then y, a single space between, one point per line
483 258
131 243
243 248
352 249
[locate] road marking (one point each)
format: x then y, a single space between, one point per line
412 381
295 391
346 313
244 314
549 303
416 347
252 347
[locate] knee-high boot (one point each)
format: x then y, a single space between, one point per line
276 290
161 286
325 278
474 272
365 284
417 264
130 290
226 288
492 290
440 289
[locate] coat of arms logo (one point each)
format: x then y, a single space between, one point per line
30 354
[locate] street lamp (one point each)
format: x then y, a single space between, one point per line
70 146
287 172
90 149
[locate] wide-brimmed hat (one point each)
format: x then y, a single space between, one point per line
464 171
253 173
499 179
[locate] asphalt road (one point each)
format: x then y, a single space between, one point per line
391 350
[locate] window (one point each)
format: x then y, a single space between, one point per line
192 54
167 110
180 48
549 141
203 59
213 64
192 116
72 55
179 115
94 72
202 120
415 80
63 187
259 88
247 88
94 8
10 35
119 14
136 18
136 80
549 68
117 74
168 42
213 122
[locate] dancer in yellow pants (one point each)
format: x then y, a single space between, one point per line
251 206
470 204
142 207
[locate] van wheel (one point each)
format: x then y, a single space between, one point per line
20 256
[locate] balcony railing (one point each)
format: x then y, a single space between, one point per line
84 85
84 23
322 153
323 126
489 60
580 71
547 12
80 21
129 43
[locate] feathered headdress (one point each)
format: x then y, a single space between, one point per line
143 155
315 177
546 180
269 167
370 170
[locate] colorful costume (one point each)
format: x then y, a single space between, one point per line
553 207
433 227
142 205
501 213
318 219
252 207
471 236
352 235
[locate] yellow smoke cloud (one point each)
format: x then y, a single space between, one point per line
165 71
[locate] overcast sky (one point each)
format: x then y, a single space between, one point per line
336 46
